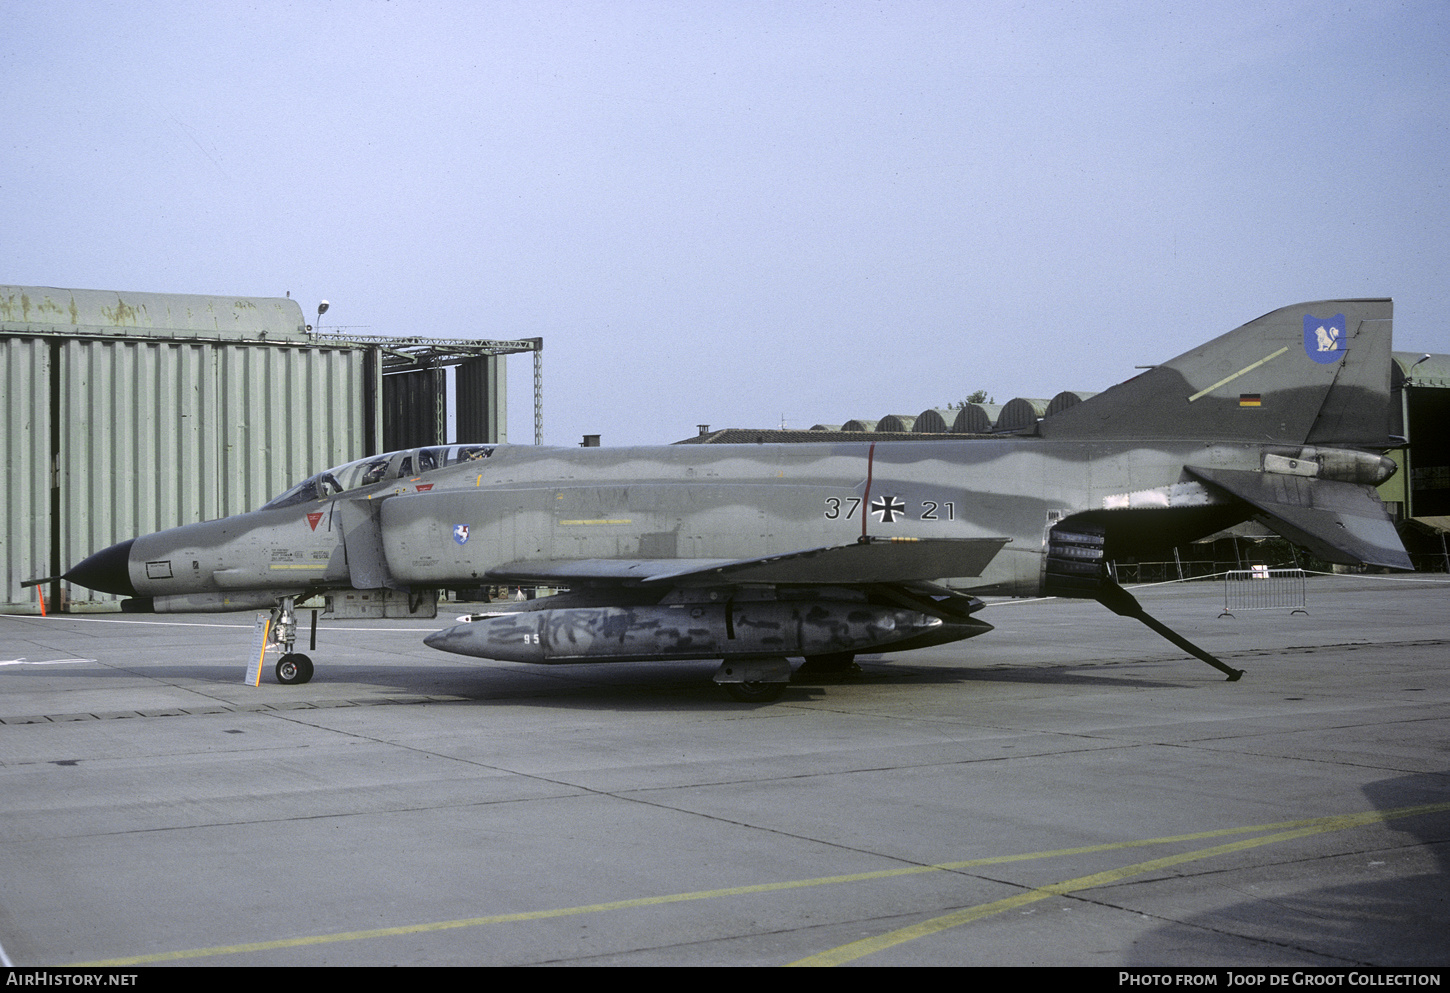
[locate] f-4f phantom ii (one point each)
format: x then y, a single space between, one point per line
756 554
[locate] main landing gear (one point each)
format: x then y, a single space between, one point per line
755 691
293 668
754 679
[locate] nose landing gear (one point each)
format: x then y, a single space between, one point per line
293 668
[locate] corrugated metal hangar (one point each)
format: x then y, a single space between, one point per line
126 413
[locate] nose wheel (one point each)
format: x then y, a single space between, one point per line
294 668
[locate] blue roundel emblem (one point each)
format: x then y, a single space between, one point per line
1324 338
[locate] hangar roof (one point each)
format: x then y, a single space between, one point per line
50 310
1434 371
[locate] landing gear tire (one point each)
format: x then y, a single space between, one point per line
756 692
293 669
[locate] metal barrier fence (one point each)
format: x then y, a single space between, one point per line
1262 588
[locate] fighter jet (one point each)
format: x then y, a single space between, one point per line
758 554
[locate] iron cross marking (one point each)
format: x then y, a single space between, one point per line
888 508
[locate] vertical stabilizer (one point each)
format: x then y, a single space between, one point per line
1313 373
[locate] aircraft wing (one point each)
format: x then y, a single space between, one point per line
876 560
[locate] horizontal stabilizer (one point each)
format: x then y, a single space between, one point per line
880 560
1337 521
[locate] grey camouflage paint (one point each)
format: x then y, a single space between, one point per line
1253 424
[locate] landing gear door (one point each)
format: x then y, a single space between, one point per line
362 538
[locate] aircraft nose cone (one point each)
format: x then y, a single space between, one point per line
107 571
449 639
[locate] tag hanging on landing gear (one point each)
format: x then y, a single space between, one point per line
258 654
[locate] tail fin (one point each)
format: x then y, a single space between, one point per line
1314 373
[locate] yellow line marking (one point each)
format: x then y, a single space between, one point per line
1230 379
601 521
1287 829
867 946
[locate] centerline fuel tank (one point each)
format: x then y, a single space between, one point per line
696 631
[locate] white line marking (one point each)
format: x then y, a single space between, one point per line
22 661
1230 379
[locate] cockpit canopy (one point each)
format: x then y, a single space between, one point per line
375 469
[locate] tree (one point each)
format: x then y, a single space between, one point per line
976 396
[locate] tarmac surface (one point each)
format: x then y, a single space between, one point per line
1069 789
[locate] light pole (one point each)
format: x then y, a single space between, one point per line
1405 427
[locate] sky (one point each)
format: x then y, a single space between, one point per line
742 214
